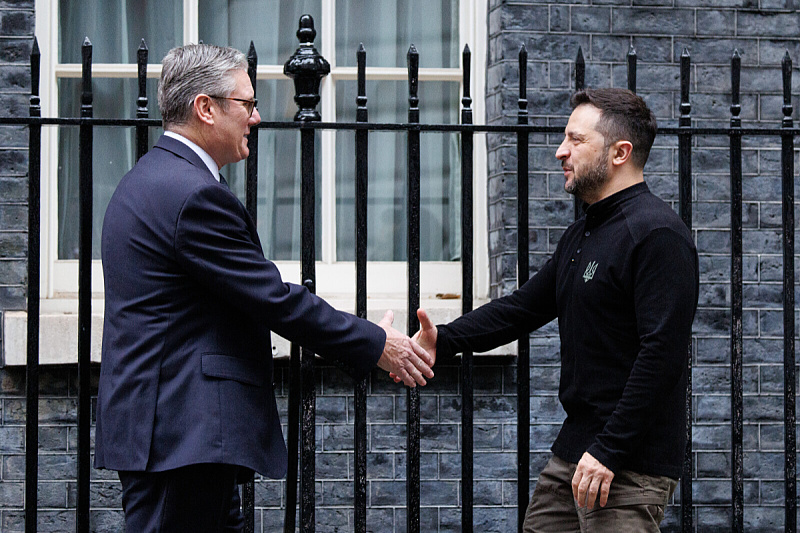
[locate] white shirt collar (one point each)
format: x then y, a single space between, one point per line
210 163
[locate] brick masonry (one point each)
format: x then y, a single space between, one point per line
552 31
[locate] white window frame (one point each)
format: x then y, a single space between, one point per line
334 279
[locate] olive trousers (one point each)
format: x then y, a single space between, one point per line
636 502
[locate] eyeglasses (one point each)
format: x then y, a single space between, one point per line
249 105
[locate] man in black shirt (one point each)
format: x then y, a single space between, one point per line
623 284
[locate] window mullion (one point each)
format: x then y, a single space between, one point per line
191 21
46 26
328 138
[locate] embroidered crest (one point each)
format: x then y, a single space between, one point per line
590 270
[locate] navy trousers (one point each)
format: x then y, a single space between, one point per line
201 498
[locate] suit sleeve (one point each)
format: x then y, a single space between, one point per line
503 320
665 298
214 244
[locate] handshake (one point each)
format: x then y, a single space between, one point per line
409 359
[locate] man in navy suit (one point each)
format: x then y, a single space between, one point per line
186 406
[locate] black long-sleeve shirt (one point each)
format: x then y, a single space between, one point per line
623 284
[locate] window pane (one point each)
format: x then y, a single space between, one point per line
387 29
270 25
117 29
440 209
114 153
278 213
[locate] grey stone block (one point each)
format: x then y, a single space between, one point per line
525 18
331 409
713 464
591 19
334 437
556 47
13 245
16 23
711 492
766 24
653 21
487 436
387 437
716 22
439 437
559 18
711 437
332 465
337 493
488 493
268 493
763 465
495 465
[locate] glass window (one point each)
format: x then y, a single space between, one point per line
440 181
386 28
270 25
117 28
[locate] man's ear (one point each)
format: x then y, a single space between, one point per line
621 152
202 107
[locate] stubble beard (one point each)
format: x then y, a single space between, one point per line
588 183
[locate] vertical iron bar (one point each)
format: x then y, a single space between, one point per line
292 440
308 401
307 67
737 472
632 69
34 240
467 443
523 270
141 102
360 392
251 201
685 209
412 394
252 142
787 184
580 84
85 292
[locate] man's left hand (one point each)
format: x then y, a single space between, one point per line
590 480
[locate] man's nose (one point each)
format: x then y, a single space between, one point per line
562 152
255 118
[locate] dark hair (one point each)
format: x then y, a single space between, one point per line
624 116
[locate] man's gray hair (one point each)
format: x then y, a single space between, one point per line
195 69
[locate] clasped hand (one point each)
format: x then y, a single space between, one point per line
404 358
425 338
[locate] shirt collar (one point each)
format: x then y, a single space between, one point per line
210 163
600 210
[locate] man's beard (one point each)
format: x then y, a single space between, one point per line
590 181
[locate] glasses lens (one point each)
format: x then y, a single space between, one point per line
251 105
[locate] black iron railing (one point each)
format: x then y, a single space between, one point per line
307 67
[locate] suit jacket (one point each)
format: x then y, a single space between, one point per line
186 373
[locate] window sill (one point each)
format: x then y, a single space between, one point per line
58 327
